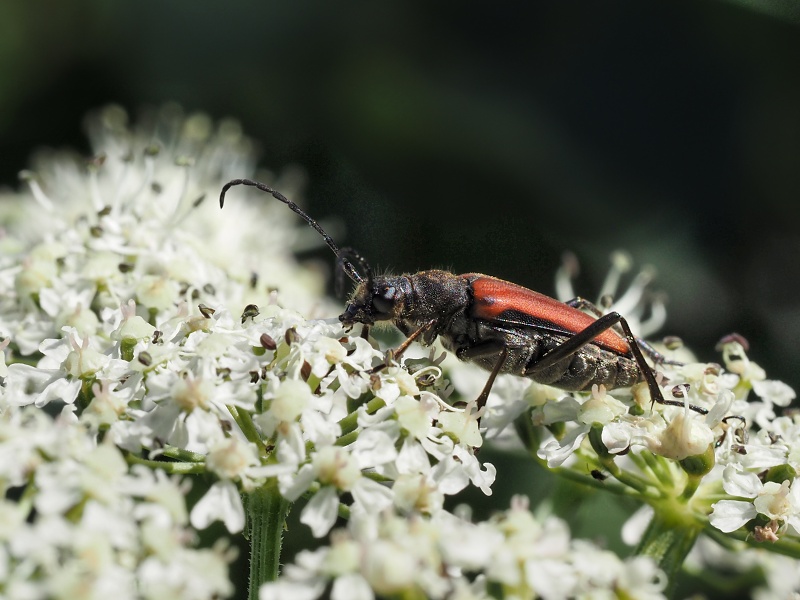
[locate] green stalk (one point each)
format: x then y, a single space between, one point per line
266 517
668 540
350 422
176 468
245 421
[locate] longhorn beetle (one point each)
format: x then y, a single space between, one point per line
498 325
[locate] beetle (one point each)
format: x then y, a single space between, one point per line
498 325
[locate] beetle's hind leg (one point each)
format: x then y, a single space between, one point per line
583 304
655 355
586 335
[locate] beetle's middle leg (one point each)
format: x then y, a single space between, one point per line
491 348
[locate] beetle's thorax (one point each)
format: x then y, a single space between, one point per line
436 296
409 301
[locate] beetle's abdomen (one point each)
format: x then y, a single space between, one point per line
589 366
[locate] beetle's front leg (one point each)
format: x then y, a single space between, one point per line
397 352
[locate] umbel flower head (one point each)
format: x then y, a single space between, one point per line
146 336
513 555
158 330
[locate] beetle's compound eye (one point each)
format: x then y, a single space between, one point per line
383 299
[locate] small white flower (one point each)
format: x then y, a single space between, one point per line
416 416
685 435
396 382
290 400
84 361
779 502
232 458
776 392
730 515
463 425
132 327
321 511
599 409
107 404
417 492
221 502
190 393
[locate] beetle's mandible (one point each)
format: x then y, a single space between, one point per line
498 325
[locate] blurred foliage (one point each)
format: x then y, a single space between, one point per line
486 137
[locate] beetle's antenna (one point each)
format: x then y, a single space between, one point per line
350 255
346 265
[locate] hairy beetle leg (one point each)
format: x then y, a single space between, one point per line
481 350
586 335
583 304
398 352
480 402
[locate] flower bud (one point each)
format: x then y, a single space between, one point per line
699 464
83 362
685 436
780 473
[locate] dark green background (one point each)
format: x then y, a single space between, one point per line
478 136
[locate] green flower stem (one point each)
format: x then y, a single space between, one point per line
528 432
347 439
350 422
609 485
636 459
183 455
245 422
86 394
668 540
633 485
377 477
692 483
660 467
266 517
179 468
627 478
126 349
654 468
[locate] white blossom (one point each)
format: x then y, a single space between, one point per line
168 336
389 554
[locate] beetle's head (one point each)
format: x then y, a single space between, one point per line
376 299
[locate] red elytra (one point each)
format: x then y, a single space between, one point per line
502 301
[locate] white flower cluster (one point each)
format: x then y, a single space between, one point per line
761 471
77 522
171 337
757 466
117 305
512 555
734 468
